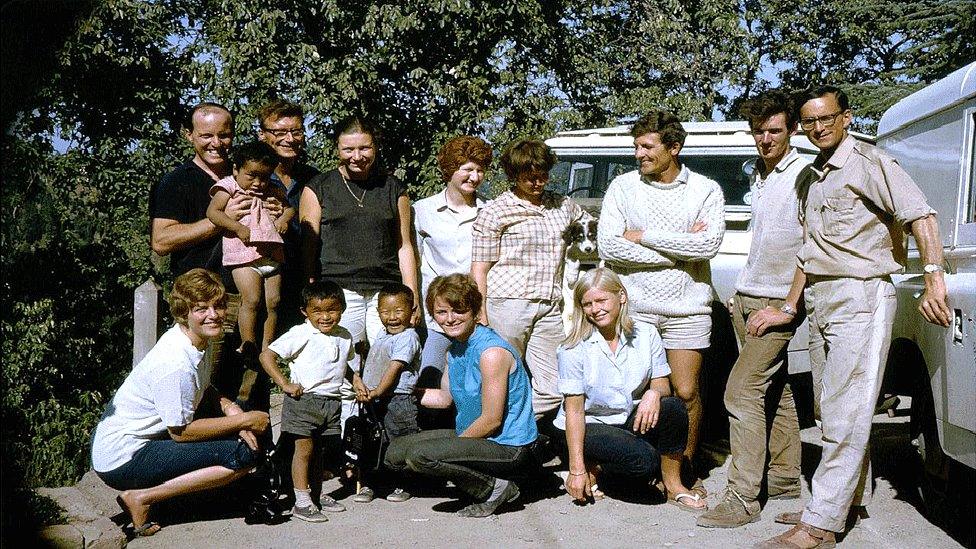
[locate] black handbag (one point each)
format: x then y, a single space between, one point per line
365 438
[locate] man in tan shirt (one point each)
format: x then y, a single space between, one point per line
856 204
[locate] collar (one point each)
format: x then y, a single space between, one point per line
785 162
596 338
549 200
680 179
841 154
441 199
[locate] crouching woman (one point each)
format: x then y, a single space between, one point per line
619 417
148 442
486 380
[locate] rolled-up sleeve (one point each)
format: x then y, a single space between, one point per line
173 398
895 192
571 370
486 241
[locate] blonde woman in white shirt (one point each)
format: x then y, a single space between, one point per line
618 413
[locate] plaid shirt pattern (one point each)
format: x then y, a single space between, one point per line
525 242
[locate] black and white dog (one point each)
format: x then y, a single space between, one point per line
581 254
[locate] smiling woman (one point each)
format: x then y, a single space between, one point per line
486 381
357 228
149 442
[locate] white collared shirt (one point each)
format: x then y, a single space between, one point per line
776 231
612 382
317 361
443 240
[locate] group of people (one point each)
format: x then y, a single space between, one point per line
470 291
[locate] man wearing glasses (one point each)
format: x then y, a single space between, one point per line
282 126
857 203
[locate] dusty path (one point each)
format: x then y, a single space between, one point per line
429 522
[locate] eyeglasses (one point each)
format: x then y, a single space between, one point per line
826 120
295 133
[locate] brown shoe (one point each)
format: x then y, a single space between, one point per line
853 517
800 537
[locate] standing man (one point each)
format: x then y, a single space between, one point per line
759 375
282 125
659 226
178 205
858 202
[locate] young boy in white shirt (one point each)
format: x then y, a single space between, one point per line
318 353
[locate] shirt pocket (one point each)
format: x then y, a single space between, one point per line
838 215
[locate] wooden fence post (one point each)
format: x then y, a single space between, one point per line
145 319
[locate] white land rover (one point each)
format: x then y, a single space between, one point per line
932 133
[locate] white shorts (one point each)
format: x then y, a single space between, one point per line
265 267
682 332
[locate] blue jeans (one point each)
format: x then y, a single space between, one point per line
472 464
165 459
621 452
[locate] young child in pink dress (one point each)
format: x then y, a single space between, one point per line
253 247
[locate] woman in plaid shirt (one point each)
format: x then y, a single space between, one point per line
517 255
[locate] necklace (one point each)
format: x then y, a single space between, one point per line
358 199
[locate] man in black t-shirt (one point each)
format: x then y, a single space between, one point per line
178 205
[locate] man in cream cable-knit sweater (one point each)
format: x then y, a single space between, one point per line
659 226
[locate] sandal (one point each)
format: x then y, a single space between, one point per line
149 528
146 529
699 488
677 501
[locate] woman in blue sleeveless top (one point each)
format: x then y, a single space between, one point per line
487 382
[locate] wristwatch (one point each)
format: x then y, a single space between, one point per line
788 309
933 268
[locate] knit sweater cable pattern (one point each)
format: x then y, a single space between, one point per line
668 272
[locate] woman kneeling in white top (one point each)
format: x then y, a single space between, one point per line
619 417
148 442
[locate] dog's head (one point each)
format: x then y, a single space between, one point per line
581 235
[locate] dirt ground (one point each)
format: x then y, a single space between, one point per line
546 517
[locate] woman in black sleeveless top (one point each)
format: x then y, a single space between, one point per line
357 226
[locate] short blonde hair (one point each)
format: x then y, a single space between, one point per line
192 287
604 279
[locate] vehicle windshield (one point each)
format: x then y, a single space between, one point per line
589 176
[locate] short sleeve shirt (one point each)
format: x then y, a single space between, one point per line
403 347
525 243
443 240
613 382
857 206
317 361
162 391
300 176
183 195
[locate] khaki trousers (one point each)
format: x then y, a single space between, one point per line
535 329
756 391
850 332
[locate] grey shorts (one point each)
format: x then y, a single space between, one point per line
682 332
310 415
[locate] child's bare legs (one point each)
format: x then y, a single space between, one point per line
137 502
304 448
250 284
272 296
